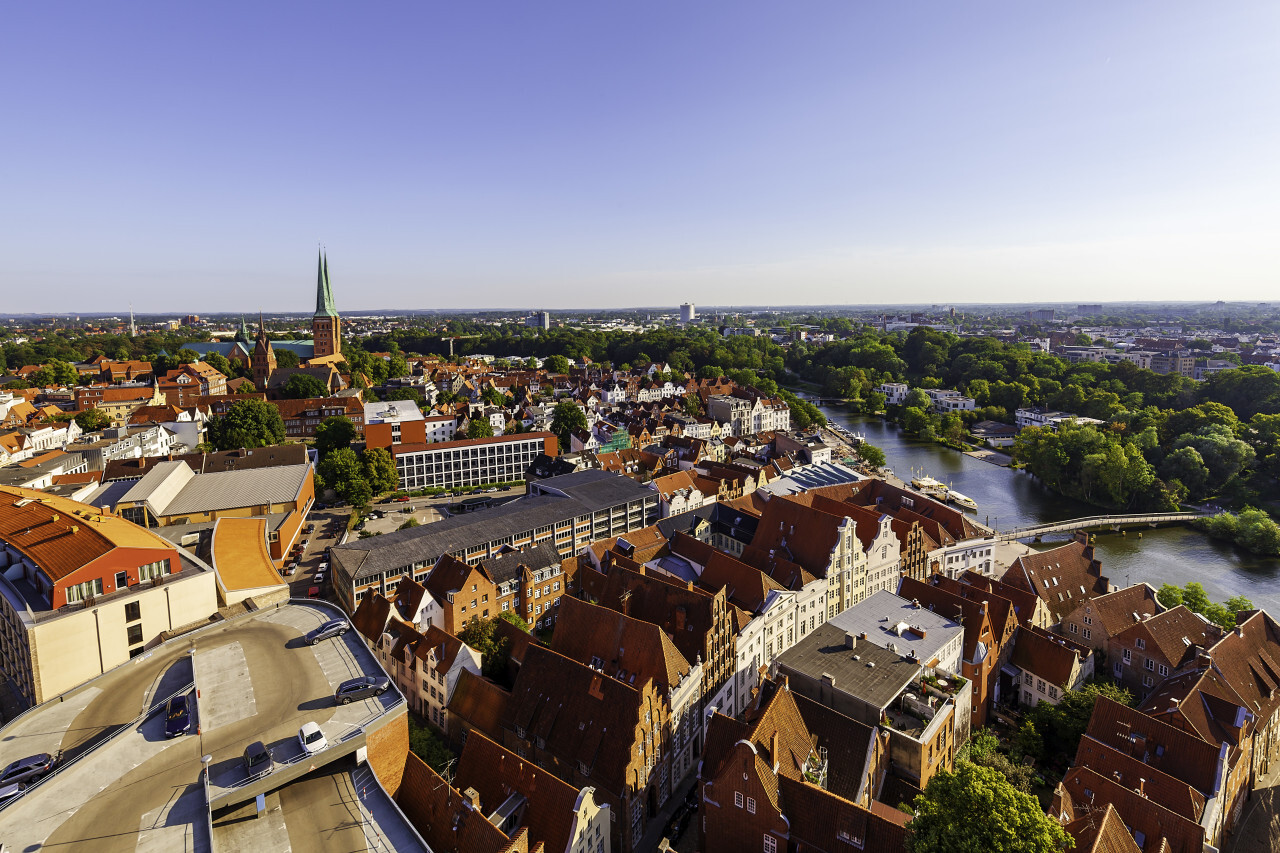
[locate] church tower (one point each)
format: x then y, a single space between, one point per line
264 358
326 326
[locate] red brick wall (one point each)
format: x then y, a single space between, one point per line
388 748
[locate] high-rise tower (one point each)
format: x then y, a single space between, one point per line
326 326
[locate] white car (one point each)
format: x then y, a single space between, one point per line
312 739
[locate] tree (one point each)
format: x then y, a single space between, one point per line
515 619
479 427
425 743
379 470
556 364
340 470
247 423
872 455
976 810
285 358
710 371
480 635
917 399
409 523
566 418
1058 728
92 420
304 386
218 362
55 372
334 433
1169 595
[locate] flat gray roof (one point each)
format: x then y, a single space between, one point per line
886 617
824 651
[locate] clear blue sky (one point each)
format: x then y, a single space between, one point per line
190 156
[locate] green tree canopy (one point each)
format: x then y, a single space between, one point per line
479 427
334 433
567 417
55 372
379 470
247 423
285 358
976 810
304 386
556 364
92 420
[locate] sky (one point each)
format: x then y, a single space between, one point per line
190 157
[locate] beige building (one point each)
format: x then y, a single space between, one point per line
82 592
242 562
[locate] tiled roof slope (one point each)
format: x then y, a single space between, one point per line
620 644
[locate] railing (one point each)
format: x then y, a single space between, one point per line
1095 521
141 718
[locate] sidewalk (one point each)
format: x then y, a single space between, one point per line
1259 827
657 828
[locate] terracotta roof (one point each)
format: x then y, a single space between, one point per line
1174 794
658 599
1048 655
62 536
496 773
973 615
1180 754
240 555
1024 602
480 702
370 618
1203 702
1062 577
778 567
745 586
1115 611
1172 635
849 744
585 718
621 647
799 533
1249 658
828 822
1102 834
443 816
1090 790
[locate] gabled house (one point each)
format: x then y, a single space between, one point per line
1095 621
1064 577
1048 666
1144 654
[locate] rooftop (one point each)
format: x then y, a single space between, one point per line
398 412
873 674
893 622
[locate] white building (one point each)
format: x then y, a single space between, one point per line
895 393
688 313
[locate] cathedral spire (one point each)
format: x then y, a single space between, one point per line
324 292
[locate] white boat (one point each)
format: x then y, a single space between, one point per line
929 486
962 501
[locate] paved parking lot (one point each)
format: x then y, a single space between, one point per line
142 790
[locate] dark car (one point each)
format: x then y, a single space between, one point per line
30 769
332 628
313 592
177 716
257 759
361 688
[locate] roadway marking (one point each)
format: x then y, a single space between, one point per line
336 660
266 834
226 691
171 826
45 729
302 618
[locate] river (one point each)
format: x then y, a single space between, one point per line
1008 498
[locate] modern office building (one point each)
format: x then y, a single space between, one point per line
469 463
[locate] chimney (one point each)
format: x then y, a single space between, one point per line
472 798
850 641
1142 783
773 746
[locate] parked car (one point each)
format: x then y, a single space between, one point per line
318 577
30 769
403 499
332 628
257 759
177 716
11 792
289 570
312 739
309 527
492 489
361 688
314 592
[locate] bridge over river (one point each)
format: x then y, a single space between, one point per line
1093 522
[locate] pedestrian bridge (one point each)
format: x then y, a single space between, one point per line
1092 522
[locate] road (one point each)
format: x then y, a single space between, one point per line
141 791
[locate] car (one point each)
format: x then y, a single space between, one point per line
312 739
289 570
314 592
309 527
30 769
12 792
447 495
332 628
474 492
177 716
403 499
324 564
361 688
491 489
257 759
318 577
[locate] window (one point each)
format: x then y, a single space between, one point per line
770 844
135 634
1142 644
122 580
1074 628
1127 656
153 570
132 611
81 591
1146 681
1087 632
737 799
1150 665
1164 670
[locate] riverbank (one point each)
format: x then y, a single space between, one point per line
1009 498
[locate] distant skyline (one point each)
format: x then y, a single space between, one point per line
190 158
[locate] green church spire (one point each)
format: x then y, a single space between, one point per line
324 293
